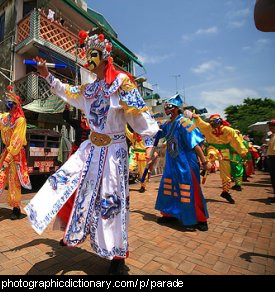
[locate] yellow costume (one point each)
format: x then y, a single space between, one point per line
139 152
13 165
219 140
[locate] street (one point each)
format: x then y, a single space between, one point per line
240 239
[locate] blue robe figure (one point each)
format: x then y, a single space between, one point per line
180 195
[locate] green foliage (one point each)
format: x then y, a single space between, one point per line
252 110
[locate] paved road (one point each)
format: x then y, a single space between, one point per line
240 239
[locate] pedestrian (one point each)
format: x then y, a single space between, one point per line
220 136
13 163
180 196
271 156
99 168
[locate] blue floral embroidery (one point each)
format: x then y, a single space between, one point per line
110 206
132 98
58 178
98 111
148 141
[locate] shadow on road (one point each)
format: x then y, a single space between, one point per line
267 215
264 201
248 256
64 259
175 225
5 214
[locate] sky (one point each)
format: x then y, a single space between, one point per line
207 50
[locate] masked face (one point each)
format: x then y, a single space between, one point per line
169 109
215 123
9 105
93 59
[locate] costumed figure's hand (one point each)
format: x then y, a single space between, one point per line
206 166
188 114
42 69
148 154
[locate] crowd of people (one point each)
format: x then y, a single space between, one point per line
90 192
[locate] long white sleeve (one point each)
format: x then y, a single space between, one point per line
70 94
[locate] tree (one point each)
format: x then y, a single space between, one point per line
251 111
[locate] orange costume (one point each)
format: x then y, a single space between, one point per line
13 164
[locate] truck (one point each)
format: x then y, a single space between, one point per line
42 151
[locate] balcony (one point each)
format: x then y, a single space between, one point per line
28 89
36 31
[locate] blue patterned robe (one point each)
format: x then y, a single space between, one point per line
176 191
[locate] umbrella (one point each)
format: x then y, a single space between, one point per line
259 126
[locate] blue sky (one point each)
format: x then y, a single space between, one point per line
212 44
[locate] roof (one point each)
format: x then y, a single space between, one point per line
99 20
152 96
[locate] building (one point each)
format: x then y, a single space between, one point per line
49 28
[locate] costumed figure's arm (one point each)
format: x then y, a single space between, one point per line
70 94
204 127
18 140
136 111
129 134
236 142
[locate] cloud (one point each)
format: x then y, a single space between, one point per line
207 31
270 90
149 59
237 18
258 45
206 67
200 32
217 100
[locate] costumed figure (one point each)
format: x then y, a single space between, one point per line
13 163
82 131
98 170
180 195
220 136
271 157
139 152
237 165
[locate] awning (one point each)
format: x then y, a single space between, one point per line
131 56
51 105
152 96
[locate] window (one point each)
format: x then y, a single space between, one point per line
28 6
2 26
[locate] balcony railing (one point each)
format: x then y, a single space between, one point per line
35 27
32 87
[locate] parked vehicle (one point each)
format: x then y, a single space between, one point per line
42 151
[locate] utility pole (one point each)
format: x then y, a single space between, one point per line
176 77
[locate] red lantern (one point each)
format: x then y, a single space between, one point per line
83 34
108 48
9 87
101 37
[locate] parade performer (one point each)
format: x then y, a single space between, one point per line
99 168
180 195
220 136
13 163
237 165
139 150
82 131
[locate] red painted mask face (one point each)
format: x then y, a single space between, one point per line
169 109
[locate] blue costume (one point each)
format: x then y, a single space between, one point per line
179 193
